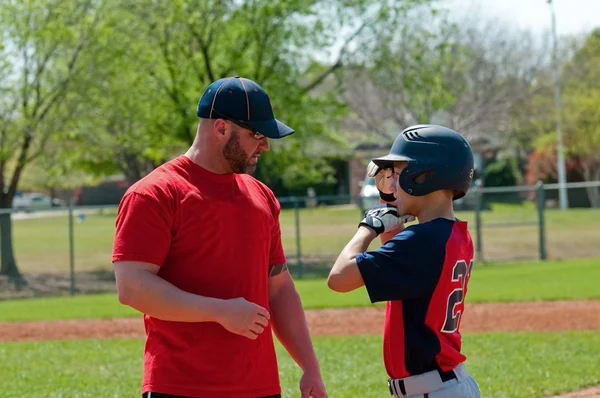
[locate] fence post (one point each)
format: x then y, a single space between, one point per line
478 207
540 195
71 248
298 248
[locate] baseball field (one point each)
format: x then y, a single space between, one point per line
531 329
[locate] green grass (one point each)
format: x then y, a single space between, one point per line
504 364
314 293
552 280
45 309
532 281
571 234
42 245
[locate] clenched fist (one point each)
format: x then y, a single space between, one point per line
244 318
384 178
384 218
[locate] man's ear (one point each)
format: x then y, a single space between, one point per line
220 129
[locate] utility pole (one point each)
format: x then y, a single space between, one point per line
562 173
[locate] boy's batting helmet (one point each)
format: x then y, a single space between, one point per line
438 158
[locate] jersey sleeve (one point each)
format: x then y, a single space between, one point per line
277 255
143 229
407 266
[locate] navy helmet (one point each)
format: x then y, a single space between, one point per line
438 158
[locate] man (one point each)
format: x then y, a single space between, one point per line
198 250
421 270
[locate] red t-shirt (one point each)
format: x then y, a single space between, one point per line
212 235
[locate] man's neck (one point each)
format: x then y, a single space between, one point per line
207 160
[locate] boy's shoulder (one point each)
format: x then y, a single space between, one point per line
428 234
430 227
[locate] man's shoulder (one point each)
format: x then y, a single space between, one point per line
159 183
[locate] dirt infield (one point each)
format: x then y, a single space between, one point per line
588 393
534 316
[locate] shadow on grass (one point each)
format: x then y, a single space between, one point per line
103 281
59 284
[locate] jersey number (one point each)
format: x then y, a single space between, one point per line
460 273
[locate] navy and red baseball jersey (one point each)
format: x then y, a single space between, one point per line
422 273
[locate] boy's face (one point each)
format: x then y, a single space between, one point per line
405 203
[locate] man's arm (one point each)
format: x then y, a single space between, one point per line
139 287
345 275
289 325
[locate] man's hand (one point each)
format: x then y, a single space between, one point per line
242 317
383 218
311 385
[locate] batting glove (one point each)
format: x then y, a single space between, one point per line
382 180
383 218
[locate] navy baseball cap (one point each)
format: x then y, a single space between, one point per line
243 102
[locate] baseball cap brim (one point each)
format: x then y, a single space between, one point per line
391 158
271 128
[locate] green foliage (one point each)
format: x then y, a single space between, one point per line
136 80
41 72
536 117
502 173
42 68
416 71
582 101
152 61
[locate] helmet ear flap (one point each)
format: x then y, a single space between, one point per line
422 177
418 182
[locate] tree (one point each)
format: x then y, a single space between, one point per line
168 52
581 115
414 72
466 73
43 43
116 129
580 74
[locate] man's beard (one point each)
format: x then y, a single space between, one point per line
236 156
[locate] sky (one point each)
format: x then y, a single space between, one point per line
572 16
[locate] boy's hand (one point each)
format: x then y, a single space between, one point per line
383 218
383 179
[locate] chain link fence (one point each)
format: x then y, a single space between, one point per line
67 250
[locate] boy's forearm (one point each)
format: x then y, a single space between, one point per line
345 275
358 243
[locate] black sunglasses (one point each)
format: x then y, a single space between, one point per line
241 124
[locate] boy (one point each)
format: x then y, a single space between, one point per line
421 270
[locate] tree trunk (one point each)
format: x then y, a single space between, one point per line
8 264
592 192
593 196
